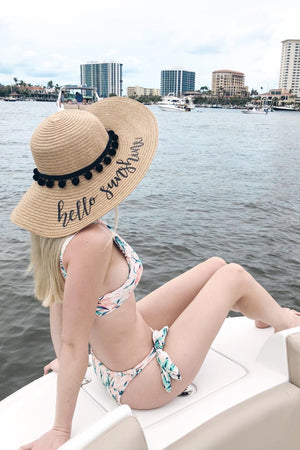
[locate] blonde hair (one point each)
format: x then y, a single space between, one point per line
45 266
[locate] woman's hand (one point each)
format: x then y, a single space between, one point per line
51 440
53 366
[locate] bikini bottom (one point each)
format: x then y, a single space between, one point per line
116 382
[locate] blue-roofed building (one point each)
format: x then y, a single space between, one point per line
105 77
176 81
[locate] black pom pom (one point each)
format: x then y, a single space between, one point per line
110 133
115 137
41 181
62 183
88 175
75 181
35 171
49 183
35 177
99 167
107 160
112 152
114 144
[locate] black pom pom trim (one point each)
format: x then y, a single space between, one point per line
75 181
62 183
99 168
105 158
88 175
49 183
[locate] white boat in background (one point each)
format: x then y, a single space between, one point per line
285 108
177 104
255 110
76 97
246 396
10 99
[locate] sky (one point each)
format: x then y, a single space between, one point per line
43 41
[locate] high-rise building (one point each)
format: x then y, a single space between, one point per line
289 77
105 77
176 81
228 83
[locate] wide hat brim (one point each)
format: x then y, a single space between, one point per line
60 212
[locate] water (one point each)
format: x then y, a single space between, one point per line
222 183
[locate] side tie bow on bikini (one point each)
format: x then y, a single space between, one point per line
168 368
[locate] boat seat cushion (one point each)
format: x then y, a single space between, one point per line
293 351
125 435
268 421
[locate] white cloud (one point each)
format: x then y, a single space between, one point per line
38 46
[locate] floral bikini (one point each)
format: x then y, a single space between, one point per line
114 381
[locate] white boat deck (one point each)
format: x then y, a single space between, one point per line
242 362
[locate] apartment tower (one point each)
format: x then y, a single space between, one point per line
176 81
289 77
105 77
228 83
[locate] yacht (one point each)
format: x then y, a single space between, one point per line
177 104
76 97
255 110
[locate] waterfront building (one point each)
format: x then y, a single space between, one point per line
176 81
289 77
138 91
278 97
105 77
228 83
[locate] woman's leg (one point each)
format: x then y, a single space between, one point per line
166 303
192 333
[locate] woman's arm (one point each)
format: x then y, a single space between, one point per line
87 258
56 330
56 311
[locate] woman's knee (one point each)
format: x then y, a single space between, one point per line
236 274
216 262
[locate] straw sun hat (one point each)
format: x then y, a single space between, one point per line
87 162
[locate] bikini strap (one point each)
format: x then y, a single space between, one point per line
63 248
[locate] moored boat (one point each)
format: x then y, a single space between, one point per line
10 99
177 104
286 108
76 97
245 396
255 110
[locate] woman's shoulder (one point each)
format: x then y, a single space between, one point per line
91 242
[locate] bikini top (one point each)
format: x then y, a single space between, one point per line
113 300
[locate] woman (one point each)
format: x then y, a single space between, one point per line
145 353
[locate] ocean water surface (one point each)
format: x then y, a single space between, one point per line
221 184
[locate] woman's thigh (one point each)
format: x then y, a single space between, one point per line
162 306
188 341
